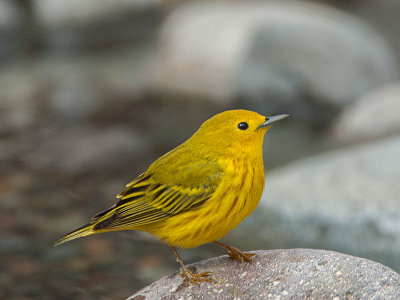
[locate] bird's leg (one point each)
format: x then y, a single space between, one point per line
187 274
236 253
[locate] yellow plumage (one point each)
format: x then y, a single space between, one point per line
199 191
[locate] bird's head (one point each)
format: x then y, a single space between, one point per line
235 129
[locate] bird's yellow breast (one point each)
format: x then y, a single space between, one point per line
236 198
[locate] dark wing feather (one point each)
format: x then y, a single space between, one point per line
149 198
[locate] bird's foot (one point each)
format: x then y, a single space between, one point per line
236 253
195 278
239 255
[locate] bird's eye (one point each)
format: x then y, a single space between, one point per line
243 125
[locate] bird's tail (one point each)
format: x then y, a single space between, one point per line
80 232
90 228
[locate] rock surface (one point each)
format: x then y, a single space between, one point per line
108 149
346 200
9 26
73 25
270 51
386 21
283 274
373 116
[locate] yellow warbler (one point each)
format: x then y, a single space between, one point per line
198 192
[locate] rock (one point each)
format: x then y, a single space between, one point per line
82 150
17 89
71 91
387 21
373 116
40 102
346 200
94 24
283 274
8 14
18 30
9 23
280 52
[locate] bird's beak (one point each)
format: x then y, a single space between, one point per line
269 120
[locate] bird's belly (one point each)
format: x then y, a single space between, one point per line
213 220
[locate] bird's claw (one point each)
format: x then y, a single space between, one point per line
195 278
239 255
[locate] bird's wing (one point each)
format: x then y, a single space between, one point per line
154 196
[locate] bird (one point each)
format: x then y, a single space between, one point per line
196 193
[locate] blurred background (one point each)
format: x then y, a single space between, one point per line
91 92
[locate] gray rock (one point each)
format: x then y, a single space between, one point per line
373 116
17 111
71 92
9 24
92 10
386 21
73 25
84 150
272 51
283 274
347 200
